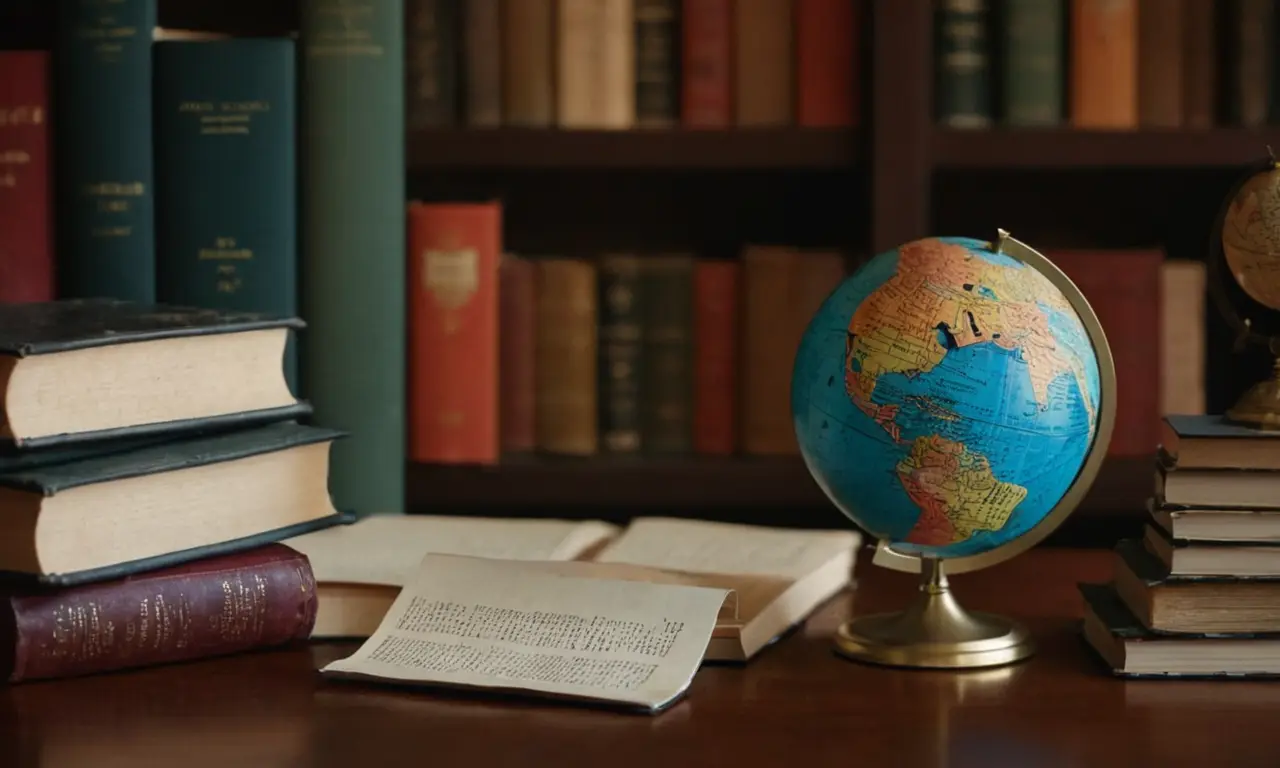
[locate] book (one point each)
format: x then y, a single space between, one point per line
134 510
1239 488
105 199
1176 603
352 205
1207 441
114 368
362 567
1212 558
1129 650
227 177
511 625
706 63
26 205
780 576
1189 523
215 606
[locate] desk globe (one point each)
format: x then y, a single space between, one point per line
1244 280
955 399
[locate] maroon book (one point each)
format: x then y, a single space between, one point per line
707 76
715 373
26 256
517 340
213 607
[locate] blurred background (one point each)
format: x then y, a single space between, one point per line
751 146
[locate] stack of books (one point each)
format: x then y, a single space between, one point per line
1199 594
151 463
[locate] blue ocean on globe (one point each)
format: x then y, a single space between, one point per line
945 397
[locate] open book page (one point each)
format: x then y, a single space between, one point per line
512 625
701 546
387 549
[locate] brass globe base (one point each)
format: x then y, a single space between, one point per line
934 632
1260 405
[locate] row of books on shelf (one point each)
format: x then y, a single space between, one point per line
1199 594
164 502
1105 64
154 165
673 353
618 64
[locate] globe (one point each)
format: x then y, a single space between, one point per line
947 395
1251 237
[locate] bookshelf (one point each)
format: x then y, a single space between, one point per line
896 177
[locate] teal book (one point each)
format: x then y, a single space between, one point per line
102 119
353 242
963 59
226 177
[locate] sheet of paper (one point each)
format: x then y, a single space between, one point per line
386 549
512 625
696 545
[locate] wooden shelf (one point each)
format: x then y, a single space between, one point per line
513 148
777 491
1064 149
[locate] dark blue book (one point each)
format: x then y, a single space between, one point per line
102 108
226 176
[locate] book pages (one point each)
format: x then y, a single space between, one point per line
697 546
386 550
513 625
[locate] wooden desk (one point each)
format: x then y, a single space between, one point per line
796 704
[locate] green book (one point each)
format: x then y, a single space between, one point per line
353 242
667 377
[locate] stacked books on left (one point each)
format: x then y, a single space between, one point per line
150 462
1199 594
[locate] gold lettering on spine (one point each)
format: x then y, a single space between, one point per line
342 29
227 251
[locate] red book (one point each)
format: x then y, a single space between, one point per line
715 375
826 64
518 338
212 607
26 256
1123 287
454 252
707 72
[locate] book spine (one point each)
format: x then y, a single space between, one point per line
1182 337
528 63
621 304
233 603
763 63
482 68
1104 64
706 71
566 394
656 70
431 42
963 63
1253 32
595 64
1200 83
826 63
454 252
517 355
353 227
1160 63
667 376
715 386
1033 62
767 354
226 177
26 210
102 88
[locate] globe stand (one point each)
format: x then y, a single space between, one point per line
934 632
1259 406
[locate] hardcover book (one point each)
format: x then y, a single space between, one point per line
89 369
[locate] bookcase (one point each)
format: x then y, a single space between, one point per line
895 177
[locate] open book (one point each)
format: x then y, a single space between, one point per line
778 576
561 629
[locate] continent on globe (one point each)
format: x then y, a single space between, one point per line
1251 238
956 492
941 298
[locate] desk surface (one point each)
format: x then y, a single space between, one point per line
797 702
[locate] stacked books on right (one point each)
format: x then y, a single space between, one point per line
1199 594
